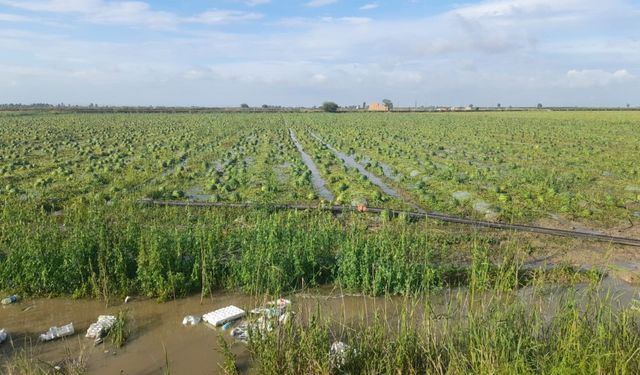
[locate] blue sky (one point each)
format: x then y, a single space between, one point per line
429 52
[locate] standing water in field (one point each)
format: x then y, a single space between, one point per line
157 333
388 171
352 163
316 180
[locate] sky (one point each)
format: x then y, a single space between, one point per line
304 52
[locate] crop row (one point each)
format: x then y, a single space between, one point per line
500 166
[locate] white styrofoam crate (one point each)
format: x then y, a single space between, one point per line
223 315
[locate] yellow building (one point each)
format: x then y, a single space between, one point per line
378 107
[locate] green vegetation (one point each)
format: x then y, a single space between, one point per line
513 167
498 334
329 107
71 225
229 366
97 250
24 362
119 333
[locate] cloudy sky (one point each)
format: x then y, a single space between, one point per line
302 52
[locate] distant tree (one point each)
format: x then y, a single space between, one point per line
539 105
499 105
244 105
388 103
628 105
265 106
329 107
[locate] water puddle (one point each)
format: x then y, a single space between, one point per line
316 179
388 171
385 168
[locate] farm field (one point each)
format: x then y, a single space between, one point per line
72 229
510 167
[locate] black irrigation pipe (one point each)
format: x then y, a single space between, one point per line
417 215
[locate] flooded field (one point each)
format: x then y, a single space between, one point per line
318 183
352 163
157 335
156 330
458 298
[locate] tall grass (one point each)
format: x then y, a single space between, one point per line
496 334
120 332
24 361
98 250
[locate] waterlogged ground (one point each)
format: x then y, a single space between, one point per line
513 167
157 335
575 171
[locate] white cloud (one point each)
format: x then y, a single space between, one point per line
6 17
132 13
220 17
320 3
319 78
347 20
56 6
520 8
597 77
253 3
507 51
369 6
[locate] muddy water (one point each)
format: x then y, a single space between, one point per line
316 179
157 330
352 163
